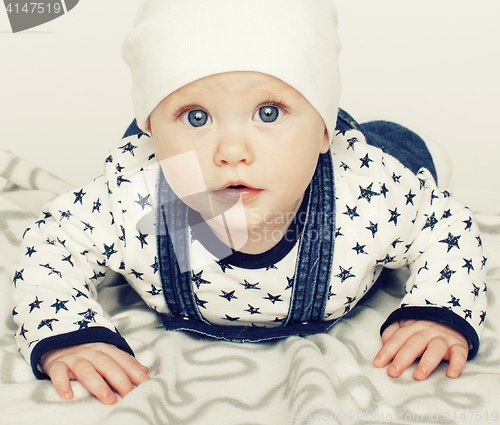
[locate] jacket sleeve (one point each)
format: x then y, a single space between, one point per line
67 252
446 263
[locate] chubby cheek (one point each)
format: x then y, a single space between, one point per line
290 182
182 168
298 166
172 143
167 139
164 148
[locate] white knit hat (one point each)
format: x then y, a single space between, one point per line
176 42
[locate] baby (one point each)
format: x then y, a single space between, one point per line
244 205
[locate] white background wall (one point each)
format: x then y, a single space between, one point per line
433 65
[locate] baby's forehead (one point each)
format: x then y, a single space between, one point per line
240 83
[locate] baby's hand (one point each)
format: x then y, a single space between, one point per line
89 364
406 340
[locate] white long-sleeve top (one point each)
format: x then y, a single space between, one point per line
385 217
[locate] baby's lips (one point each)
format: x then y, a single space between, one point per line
235 193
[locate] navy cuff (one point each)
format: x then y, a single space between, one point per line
440 315
83 336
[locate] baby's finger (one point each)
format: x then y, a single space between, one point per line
59 374
114 374
389 331
412 348
391 346
89 377
458 358
434 353
135 371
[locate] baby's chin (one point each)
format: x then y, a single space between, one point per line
243 231
233 233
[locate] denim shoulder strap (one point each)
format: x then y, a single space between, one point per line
315 254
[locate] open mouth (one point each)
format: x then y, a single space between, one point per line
234 193
240 186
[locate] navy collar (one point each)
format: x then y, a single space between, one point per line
211 243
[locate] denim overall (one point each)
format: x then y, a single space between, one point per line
315 255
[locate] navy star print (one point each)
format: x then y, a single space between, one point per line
394 216
249 285
396 178
367 193
223 266
252 310
468 223
273 298
87 226
451 241
360 249
231 319
373 228
468 265
23 332
384 191
79 196
154 291
129 147
88 315
200 303
58 305
142 239
109 250
82 324
228 295
97 206
137 274
18 275
35 304
431 222
446 214
446 273
351 213
48 323
344 274
409 197
143 201
351 142
365 162
155 265
198 280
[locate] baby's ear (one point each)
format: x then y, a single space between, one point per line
326 142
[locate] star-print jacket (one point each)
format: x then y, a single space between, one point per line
386 216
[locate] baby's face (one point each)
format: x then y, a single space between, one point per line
248 130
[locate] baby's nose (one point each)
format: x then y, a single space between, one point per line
234 149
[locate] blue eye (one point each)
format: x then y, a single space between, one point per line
196 118
268 113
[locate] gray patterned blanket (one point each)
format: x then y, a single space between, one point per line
320 378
